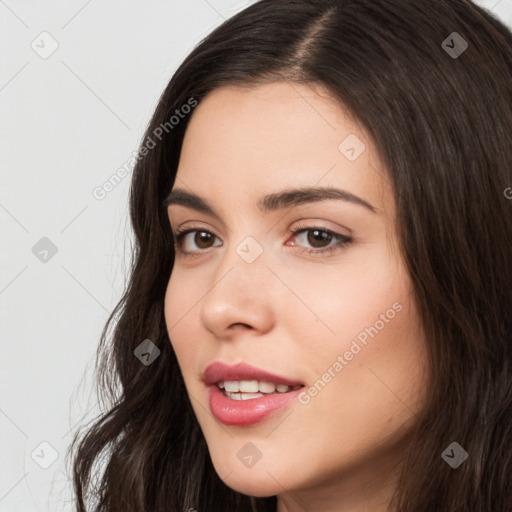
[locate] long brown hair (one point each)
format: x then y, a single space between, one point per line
438 106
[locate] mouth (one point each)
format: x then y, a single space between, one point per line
243 395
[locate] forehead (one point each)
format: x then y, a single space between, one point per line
258 139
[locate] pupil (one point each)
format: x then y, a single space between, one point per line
201 237
317 236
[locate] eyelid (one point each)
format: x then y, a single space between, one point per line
312 224
321 225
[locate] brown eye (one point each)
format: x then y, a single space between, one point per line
319 241
319 238
202 239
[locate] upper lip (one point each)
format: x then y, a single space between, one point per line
218 371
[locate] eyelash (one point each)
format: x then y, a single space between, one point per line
342 243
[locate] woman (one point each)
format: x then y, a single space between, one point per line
318 313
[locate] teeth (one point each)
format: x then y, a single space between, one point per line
253 387
232 386
266 387
248 386
244 396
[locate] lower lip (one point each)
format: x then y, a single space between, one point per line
247 412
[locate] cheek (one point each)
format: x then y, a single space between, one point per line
363 393
179 312
365 347
346 297
374 397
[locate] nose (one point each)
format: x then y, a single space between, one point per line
240 296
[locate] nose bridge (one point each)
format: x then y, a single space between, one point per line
240 290
245 262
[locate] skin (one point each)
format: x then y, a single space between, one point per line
291 312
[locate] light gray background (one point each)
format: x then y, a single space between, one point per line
67 123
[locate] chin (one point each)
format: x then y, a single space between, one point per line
247 485
253 481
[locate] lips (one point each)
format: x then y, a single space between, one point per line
218 371
245 409
246 413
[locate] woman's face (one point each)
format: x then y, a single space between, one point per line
342 323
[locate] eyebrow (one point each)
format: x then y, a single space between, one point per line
271 202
